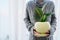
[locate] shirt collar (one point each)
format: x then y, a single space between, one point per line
40 4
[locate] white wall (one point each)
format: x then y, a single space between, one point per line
22 31
4 19
8 19
13 16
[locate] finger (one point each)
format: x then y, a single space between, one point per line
48 32
47 35
34 32
37 35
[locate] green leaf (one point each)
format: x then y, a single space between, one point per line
47 14
39 11
43 18
40 16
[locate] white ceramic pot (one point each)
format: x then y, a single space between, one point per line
42 27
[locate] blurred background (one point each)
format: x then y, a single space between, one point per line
12 26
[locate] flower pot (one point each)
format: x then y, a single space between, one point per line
42 27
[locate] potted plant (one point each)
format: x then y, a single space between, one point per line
41 26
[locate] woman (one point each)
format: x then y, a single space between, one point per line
30 21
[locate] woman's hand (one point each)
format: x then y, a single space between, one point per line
38 34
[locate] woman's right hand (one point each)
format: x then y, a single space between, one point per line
37 34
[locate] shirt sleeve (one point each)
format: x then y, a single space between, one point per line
53 20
